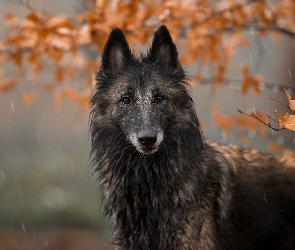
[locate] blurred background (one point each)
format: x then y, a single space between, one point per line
48 196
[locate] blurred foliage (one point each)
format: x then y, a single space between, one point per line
212 32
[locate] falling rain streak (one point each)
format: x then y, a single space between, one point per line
290 75
12 106
23 226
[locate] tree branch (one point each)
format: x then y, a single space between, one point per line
257 118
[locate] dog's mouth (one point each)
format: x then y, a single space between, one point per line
147 150
146 142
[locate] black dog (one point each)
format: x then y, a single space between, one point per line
164 187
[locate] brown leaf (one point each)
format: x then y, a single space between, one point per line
55 22
79 18
83 35
59 74
250 81
34 17
58 97
291 102
17 59
275 147
7 84
83 99
10 20
55 54
279 119
287 122
70 94
30 97
48 87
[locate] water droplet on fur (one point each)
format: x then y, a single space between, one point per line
280 140
265 198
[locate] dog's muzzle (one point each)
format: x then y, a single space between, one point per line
147 141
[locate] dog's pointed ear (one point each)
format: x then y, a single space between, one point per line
163 50
116 52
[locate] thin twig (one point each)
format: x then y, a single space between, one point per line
257 118
280 101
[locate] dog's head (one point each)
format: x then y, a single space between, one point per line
142 97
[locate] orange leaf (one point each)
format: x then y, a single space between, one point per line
55 22
59 74
10 20
48 87
16 58
58 100
250 81
279 119
275 147
291 102
287 122
29 97
79 18
83 99
7 84
32 58
55 54
70 94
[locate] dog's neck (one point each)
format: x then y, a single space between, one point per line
148 196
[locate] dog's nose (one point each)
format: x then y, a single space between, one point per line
147 138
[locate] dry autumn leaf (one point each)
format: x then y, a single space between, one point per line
7 84
10 20
231 122
58 98
250 81
291 102
275 147
30 97
287 122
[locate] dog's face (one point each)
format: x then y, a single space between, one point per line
141 96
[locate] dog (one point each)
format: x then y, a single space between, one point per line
164 186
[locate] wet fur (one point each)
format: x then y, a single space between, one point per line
187 193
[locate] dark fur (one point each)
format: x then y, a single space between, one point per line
179 192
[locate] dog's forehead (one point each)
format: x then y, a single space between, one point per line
142 83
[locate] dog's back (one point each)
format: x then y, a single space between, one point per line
164 187
261 207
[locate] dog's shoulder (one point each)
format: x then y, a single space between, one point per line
257 195
245 159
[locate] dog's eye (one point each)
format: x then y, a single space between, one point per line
126 100
158 99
